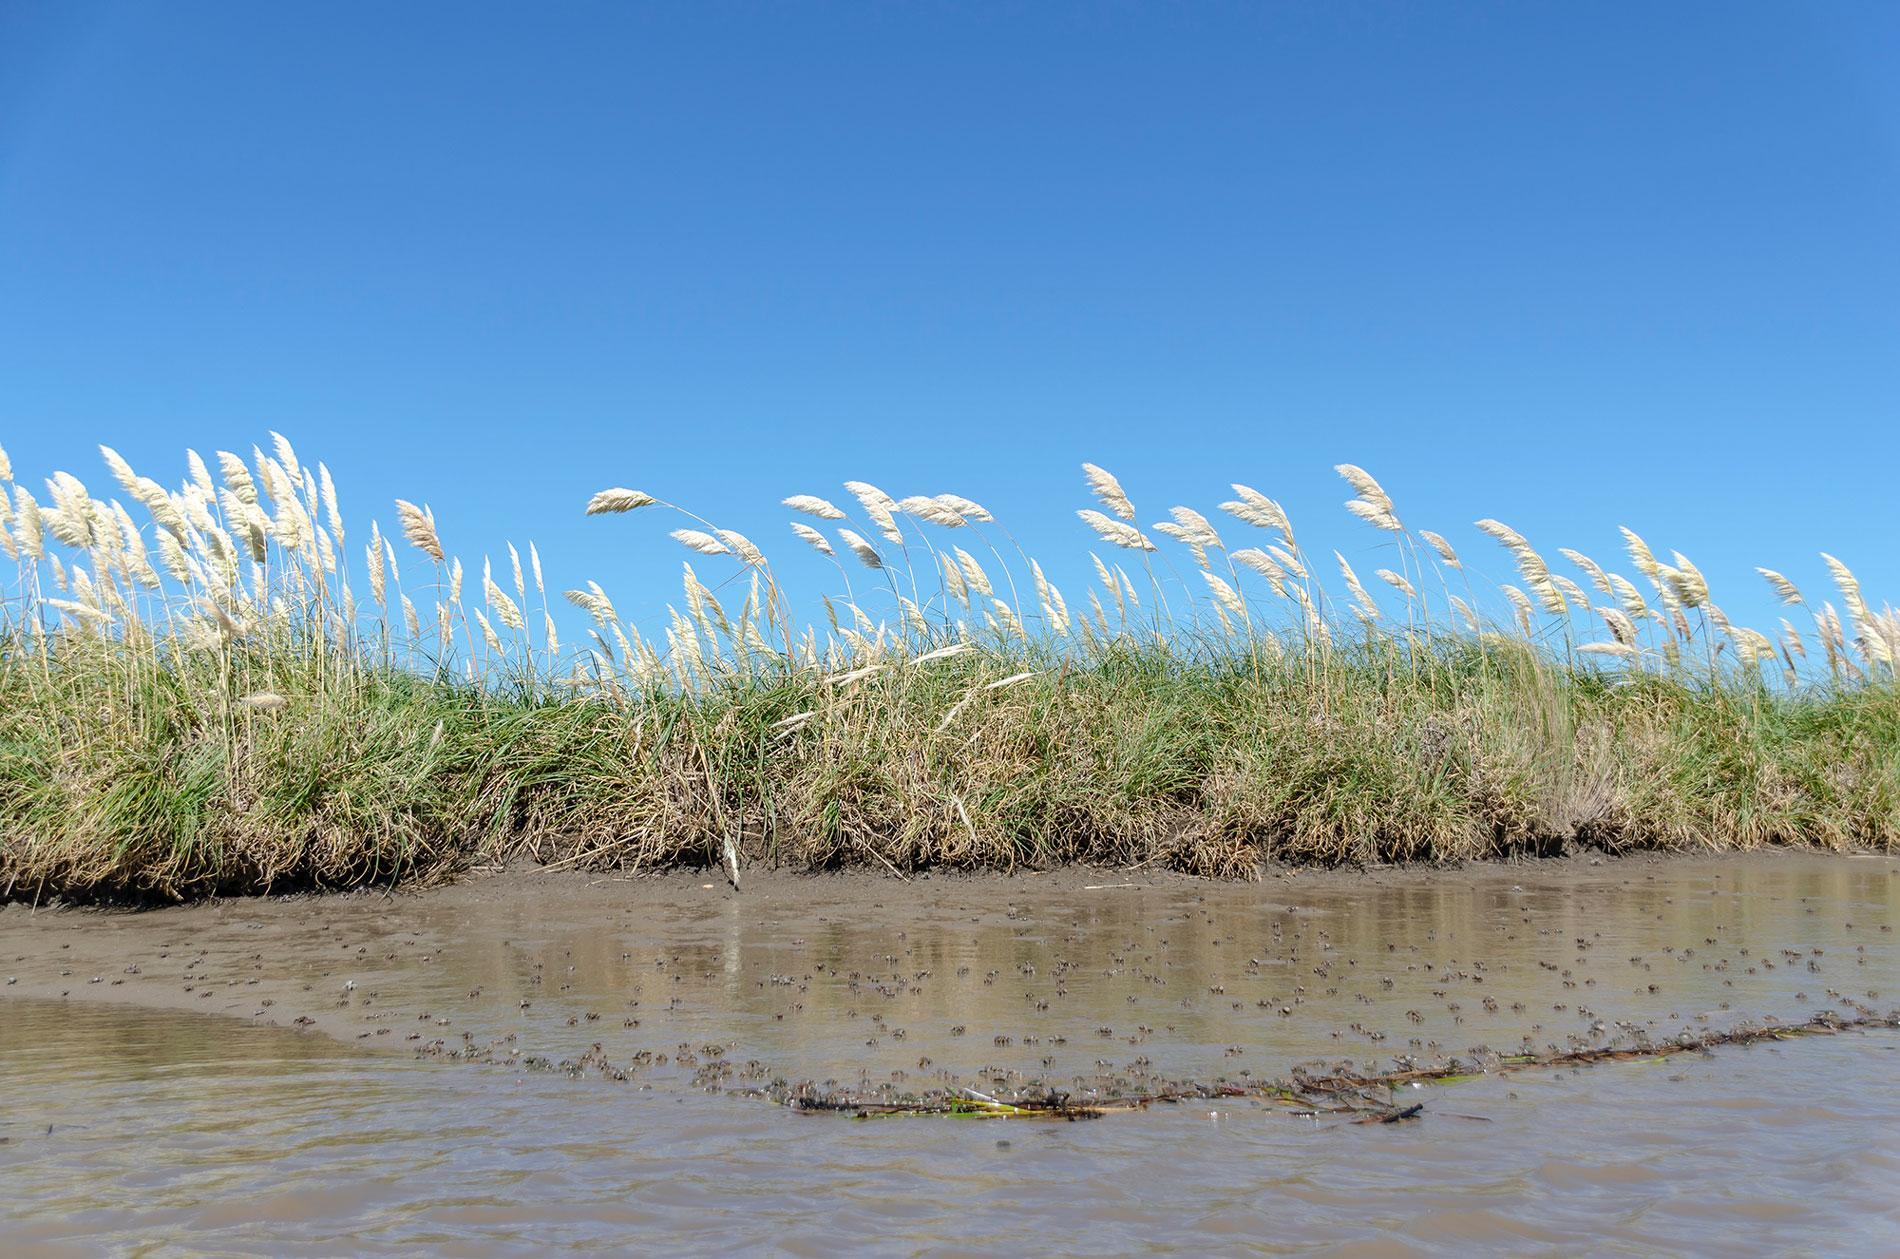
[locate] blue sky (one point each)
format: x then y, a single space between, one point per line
1570 266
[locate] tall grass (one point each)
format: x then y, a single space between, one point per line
195 699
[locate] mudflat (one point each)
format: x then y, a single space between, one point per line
580 1026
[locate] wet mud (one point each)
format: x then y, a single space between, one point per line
495 1054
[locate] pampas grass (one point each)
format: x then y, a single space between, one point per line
192 699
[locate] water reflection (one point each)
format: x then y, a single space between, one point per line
170 1092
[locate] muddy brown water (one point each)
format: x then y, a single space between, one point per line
370 1073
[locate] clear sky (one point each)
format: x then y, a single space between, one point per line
1569 265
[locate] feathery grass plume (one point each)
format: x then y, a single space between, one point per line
965 508
947 652
1260 562
1751 645
619 499
81 610
200 475
332 510
455 580
742 546
1256 509
1366 609
1364 486
1628 595
1570 590
1195 542
1437 543
1397 583
373 561
1543 585
29 525
1108 491
1530 565
1507 537
812 505
237 479
514 567
265 701
880 507
121 470
1848 585
286 458
1225 595
1591 569
701 543
507 611
1791 641
1115 532
1196 524
586 602
1289 561
1688 583
418 526
1784 589
953 581
1620 626
70 519
812 538
866 553
1059 611
931 511
1374 515
1640 554
1007 619
489 637
6 466
973 573
1373 505
853 675
1884 633
1128 587
1521 605
173 557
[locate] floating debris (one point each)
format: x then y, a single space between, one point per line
1367 1096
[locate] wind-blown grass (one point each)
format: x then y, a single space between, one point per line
227 717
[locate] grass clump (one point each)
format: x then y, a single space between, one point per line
197 703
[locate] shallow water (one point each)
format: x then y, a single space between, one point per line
157 1092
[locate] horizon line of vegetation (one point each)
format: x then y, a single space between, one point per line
197 702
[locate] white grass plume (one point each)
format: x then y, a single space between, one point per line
812 505
1109 491
618 499
1115 531
418 525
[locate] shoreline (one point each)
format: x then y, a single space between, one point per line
1067 875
